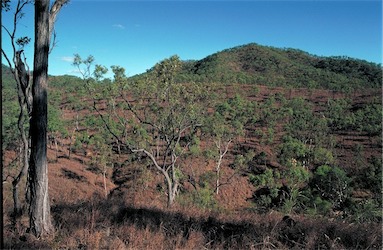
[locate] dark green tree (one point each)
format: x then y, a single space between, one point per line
331 184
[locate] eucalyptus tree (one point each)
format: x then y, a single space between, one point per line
39 211
153 116
225 126
32 97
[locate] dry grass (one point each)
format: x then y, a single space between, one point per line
111 224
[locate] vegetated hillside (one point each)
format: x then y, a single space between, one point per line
256 64
306 153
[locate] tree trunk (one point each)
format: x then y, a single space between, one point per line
104 180
57 148
219 162
218 168
171 180
24 156
17 211
24 94
39 211
172 189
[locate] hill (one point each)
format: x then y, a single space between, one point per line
256 64
305 172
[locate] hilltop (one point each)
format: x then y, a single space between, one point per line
256 64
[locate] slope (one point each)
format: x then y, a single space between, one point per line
256 64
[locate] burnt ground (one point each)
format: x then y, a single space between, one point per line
72 180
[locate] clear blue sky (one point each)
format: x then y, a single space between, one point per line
138 34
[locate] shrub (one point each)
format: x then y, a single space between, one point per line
203 194
267 178
195 147
292 148
322 156
369 119
204 198
339 114
331 184
366 212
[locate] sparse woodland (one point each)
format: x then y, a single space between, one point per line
250 148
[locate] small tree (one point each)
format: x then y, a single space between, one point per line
167 116
157 119
21 73
226 125
332 184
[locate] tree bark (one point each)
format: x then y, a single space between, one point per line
24 152
219 162
39 211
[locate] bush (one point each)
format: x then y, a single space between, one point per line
322 156
339 114
267 178
331 184
204 198
203 194
369 119
292 148
366 212
195 147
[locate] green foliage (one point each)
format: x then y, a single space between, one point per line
255 64
284 189
307 137
203 196
269 112
239 161
229 119
369 119
265 201
358 71
293 202
268 178
173 106
10 111
195 146
339 114
292 148
303 124
322 156
370 177
296 175
242 161
319 206
331 184
9 118
367 212
55 121
210 153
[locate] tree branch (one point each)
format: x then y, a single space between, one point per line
228 181
55 9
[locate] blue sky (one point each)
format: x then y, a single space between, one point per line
138 34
